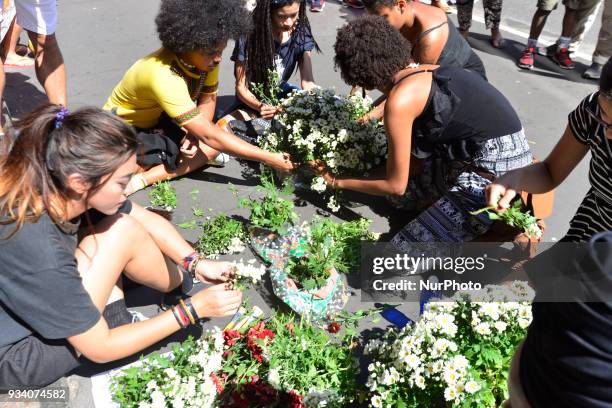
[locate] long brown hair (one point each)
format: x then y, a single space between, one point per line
46 147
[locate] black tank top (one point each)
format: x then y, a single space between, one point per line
456 52
462 111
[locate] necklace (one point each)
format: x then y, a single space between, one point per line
188 66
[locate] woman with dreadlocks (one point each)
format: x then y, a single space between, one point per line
281 41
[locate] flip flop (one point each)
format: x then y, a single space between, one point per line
22 62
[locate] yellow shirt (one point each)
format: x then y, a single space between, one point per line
160 83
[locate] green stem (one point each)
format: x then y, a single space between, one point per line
489 208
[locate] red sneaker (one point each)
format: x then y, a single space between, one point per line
526 60
562 58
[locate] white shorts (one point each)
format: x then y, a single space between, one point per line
37 16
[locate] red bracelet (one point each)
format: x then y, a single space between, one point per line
189 259
182 315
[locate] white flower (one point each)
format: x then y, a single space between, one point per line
419 381
450 393
500 326
319 184
158 400
483 329
377 401
472 387
332 204
274 378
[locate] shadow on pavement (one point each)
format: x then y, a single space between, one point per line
20 95
544 66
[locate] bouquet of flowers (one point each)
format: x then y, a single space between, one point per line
184 378
286 363
459 351
319 125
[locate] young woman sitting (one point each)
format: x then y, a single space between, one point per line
465 131
170 95
281 41
432 35
61 291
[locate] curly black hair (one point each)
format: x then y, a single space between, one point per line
369 51
190 25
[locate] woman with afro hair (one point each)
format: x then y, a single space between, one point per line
281 41
169 96
463 129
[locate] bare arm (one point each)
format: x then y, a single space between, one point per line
207 105
430 46
404 105
242 89
223 141
101 344
306 74
539 177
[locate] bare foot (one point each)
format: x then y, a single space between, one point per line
441 4
17 61
497 40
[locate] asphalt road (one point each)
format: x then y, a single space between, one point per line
100 40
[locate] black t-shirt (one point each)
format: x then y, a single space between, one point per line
567 355
287 55
41 290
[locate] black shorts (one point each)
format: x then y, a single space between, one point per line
35 362
160 144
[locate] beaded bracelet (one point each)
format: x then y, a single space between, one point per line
190 262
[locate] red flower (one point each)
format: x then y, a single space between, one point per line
257 338
334 327
218 383
231 337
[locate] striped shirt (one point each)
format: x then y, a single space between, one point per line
595 212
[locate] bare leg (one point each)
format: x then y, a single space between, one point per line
537 23
121 245
9 45
569 22
159 173
238 114
50 69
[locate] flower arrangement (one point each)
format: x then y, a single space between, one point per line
319 125
282 362
221 235
184 378
329 246
459 351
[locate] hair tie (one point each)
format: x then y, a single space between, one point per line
60 116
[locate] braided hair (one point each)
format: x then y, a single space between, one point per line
260 41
